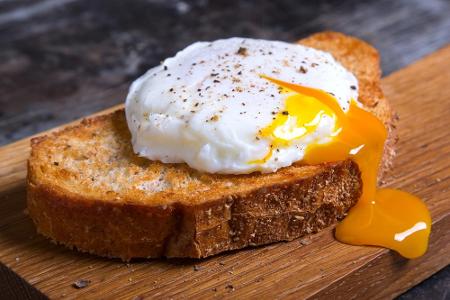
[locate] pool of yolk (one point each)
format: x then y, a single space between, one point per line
382 217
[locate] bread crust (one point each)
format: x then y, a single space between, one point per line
277 212
211 213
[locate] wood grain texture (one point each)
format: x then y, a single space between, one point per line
317 268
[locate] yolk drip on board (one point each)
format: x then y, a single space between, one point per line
382 217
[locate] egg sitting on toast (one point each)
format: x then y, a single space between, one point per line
229 144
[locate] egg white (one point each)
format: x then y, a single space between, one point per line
206 105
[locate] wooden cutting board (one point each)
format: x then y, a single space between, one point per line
319 267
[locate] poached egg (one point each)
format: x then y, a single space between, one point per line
236 106
211 107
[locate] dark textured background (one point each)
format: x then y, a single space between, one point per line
64 59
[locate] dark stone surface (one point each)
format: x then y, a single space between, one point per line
64 59
437 287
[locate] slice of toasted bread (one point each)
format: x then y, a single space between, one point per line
87 189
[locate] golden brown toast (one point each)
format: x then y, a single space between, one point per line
87 189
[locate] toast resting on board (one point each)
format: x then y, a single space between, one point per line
87 189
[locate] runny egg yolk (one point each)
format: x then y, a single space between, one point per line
382 217
301 116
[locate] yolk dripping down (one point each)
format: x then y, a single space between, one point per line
382 217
